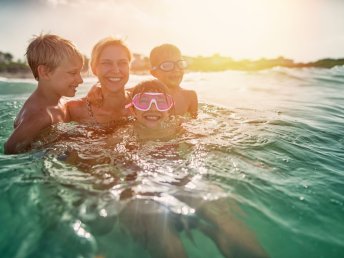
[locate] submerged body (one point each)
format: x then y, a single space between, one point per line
155 214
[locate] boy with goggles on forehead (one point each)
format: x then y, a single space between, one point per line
167 65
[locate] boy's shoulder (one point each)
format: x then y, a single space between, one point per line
29 123
183 90
189 101
28 111
33 114
38 112
190 94
187 91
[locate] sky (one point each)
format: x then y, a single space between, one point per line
303 30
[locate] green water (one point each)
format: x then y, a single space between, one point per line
271 141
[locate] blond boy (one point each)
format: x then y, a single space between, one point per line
167 65
56 64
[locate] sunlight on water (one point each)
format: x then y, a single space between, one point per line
270 143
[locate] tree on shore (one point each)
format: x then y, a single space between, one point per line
8 65
212 63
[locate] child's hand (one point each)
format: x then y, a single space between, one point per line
95 96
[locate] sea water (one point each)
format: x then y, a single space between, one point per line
272 141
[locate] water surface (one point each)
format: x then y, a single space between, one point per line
271 142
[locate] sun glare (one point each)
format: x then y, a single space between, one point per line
251 29
247 28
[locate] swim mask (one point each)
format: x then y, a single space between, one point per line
143 101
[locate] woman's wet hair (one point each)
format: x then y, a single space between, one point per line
102 44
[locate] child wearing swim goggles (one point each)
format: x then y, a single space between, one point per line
152 107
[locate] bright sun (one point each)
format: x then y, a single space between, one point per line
239 28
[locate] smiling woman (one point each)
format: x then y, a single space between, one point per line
110 63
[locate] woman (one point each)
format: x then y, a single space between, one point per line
110 63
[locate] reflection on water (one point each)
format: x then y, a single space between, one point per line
157 188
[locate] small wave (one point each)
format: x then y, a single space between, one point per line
330 79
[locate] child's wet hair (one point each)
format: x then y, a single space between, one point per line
50 50
150 86
159 51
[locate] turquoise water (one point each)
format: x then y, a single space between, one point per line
271 140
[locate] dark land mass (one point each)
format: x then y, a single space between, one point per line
140 64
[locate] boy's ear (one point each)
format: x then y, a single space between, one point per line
43 71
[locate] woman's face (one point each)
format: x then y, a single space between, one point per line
112 68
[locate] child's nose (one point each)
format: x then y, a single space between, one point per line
153 107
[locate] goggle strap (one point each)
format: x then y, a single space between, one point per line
129 105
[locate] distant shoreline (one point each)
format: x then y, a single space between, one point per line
16 75
215 63
247 67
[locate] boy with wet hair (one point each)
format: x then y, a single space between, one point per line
56 64
167 65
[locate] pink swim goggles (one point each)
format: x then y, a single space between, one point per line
143 101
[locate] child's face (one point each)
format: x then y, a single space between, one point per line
112 68
171 79
65 78
152 118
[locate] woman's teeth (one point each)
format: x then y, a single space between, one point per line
114 79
